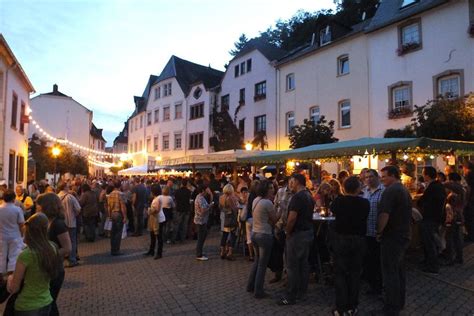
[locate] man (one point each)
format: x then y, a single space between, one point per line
26 201
299 236
139 199
282 200
183 210
372 271
117 212
431 205
11 226
72 208
393 232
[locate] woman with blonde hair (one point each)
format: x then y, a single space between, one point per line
228 203
37 265
166 205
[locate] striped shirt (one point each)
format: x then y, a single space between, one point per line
374 199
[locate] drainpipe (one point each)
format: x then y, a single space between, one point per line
4 114
368 96
277 100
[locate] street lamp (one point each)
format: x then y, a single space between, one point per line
248 146
56 151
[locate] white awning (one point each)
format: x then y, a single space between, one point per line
134 171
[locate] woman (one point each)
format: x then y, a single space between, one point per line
351 213
155 224
201 217
323 196
336 189
264 218
50 205
229 204
89 210
166 204
248 224
37 265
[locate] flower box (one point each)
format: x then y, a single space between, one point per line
406 48
259 97
400 113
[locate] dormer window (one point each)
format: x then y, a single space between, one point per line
325 36
406 3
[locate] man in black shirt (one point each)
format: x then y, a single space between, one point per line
183 209
431 205
139 199
299 236
393 232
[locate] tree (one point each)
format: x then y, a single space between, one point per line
406 132
260 140
310 134
239 45
227 135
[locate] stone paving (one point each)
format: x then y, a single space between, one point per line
177 284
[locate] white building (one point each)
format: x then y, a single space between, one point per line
248 90
121 141
15 89
97 142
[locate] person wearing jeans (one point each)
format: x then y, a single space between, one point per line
201 217
264 218
72 208
118 214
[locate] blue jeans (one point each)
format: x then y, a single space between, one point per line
182 219
263 245
73 236
138 221
116 232
297 252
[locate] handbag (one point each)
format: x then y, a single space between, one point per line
108 224
124 231
230 220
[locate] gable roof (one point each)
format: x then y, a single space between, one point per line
56 92
11 61
187 73
390 12
121 138
140 102
271 52
96 132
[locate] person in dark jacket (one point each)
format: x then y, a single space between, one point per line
431 205
90 211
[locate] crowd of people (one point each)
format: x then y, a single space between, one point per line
365 237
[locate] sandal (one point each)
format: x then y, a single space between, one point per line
285 301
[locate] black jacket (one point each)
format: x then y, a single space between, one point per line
432 202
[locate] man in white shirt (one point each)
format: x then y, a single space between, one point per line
72 208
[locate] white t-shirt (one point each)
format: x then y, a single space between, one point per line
10 217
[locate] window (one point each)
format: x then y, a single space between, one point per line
196 140
136 147
260 124
167 89
242 96
314 114
177 141
140 148
148 144
225 102
449 84
197 111
141 121
345 114
260 91
178 111
197 93
14 110
242 68
236 71
411 34
242 128
166 142
157 115
166 113
249 65
401 97
148 119
20 167
343 65
136 123
406 3
157 92
131 126
290 122
155 143
22 115
325 36
290 82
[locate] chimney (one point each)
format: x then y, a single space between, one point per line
55 88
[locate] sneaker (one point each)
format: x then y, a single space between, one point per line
202 258
353 312
284 301
71 265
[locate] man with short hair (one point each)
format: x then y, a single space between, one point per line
117 212
299 236
393 232
373 193
139 200
72 208
431 205
183 210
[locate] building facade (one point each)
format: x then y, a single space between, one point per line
15 90
97 142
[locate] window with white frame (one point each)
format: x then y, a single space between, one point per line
290 82
449 86
260 90
167 89
401 97
148 119
157 115
166 142
325 36
406 3
157 92
290 122
314 114
155 143
343 65
178 111
177 141
166 113
196 140
345 114
196 111
410 34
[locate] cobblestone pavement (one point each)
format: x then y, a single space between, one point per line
178 284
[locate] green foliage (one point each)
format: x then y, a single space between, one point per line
310 134
227 135
260 140
406 132
239 45
115 170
